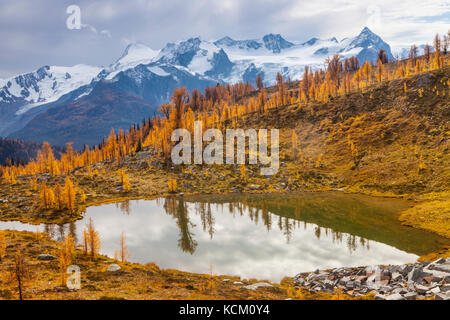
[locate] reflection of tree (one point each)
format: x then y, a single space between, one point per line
61 232
256 209
351 243
210 221
73 231
266 216
178 209
206 217
317 232
49 229
124 206
288 229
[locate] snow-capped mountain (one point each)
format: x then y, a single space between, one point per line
272 54
403 52
151 75
47 84
134 55
229 60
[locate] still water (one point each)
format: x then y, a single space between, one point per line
255 236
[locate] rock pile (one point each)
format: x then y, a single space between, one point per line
402 282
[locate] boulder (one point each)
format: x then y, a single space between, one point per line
421 289
328 284
395 296
417 274
46 257
410 296
396 276
445 288
434 290
258 285
113 267
444 267
442 296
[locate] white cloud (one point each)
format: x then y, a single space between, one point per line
39 26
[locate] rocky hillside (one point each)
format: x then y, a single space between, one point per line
393 136
404 282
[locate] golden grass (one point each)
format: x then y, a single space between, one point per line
133 281
430 215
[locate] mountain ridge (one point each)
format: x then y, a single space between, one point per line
151 75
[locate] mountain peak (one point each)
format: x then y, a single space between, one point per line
275 42
311 41
366 30
137 51
366 38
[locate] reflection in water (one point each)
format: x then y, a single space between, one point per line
179 211
260 236
178 208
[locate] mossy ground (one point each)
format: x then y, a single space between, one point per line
430 215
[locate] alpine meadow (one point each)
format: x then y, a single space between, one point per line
279 167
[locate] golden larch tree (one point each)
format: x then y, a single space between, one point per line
69 194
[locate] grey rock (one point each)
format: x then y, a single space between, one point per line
442 296
397 290
445 288
328 284
321 276
439 261
395 296
410 296
257 286
444 267
434 290
311 277
344 280
406 270
421 289
385 289
46 257
350 285
396 276
417 274
113 267
438 276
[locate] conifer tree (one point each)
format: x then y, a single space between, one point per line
92 239
259 82
69 193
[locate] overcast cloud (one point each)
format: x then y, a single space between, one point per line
34 33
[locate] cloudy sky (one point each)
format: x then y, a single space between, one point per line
35 33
